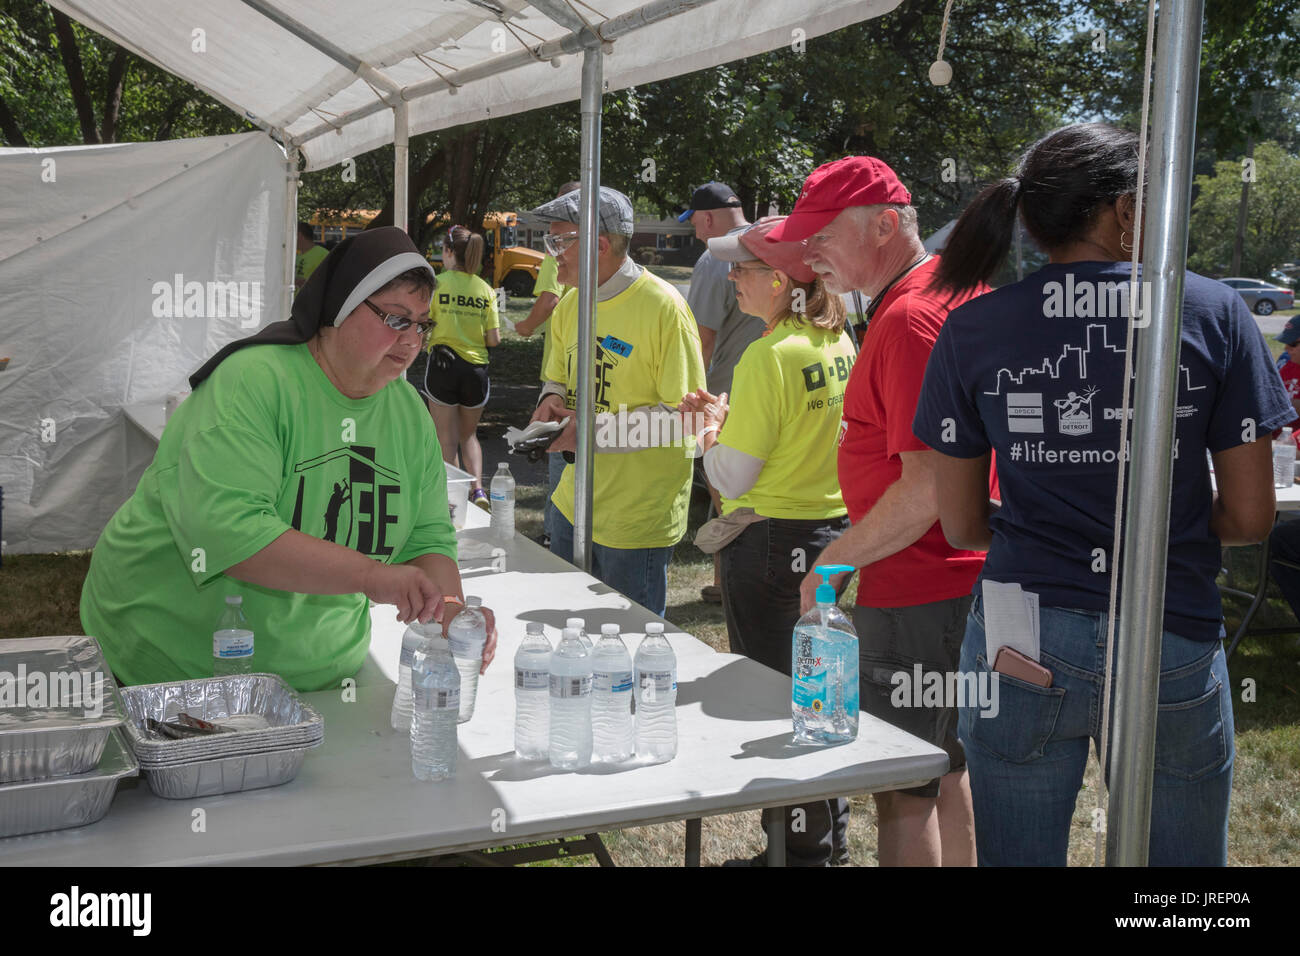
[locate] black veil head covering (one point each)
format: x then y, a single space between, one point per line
355 269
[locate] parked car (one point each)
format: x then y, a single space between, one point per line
1263 297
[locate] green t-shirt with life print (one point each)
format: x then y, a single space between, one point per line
265 445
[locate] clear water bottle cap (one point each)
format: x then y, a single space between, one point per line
534 627
575 622
654 627
1286 434
503 467
609 629
472 601
234 600
571 634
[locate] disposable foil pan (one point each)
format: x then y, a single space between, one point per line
155 763
289 721
204 778
38 805
58 702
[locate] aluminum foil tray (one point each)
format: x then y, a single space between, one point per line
270 715
207 777
39 805
58 703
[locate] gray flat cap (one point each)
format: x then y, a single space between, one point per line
614 217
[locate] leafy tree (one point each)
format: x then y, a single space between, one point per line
1273 226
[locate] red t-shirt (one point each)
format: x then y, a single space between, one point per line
1290 372
879 405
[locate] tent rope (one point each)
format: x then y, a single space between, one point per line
442 76
943 30
1103 803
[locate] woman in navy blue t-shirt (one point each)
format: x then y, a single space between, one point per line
1034 372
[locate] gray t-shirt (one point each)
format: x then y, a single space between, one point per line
712 298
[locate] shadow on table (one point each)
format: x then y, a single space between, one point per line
742 689
509 767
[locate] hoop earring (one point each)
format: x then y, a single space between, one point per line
1126 246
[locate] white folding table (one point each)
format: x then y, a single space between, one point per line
356 800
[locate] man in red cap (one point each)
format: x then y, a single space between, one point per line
859 231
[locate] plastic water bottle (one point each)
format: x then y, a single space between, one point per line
611 698
502 492
414 639
467 633
824 668
656 696
1284 460
533 695
232 641
435 701
570 743
580 625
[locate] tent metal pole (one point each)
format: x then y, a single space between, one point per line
401 144
1150 475
592 83
289 260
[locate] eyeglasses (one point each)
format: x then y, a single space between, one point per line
400 323
556 244
737 267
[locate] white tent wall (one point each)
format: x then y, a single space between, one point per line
92 240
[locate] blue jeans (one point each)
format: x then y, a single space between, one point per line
638 573
1027 762
555 468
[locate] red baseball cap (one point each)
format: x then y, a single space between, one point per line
835 186
753 243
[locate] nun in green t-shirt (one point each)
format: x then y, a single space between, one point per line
303 475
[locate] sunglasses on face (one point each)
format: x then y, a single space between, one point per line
556 244
400 323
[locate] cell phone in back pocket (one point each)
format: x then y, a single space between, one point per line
1014 664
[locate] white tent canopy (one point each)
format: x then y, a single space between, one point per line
326 76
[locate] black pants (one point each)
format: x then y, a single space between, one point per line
761 573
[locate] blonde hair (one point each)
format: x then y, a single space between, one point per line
823 310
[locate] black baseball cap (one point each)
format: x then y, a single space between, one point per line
1290 333
710 196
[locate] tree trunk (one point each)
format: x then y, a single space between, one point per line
113 95
9 126
433 169
71 57
169 118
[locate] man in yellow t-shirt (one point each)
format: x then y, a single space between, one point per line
548 291
310 255
647 352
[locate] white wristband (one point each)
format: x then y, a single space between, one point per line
699 436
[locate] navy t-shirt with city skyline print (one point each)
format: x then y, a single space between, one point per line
1034 371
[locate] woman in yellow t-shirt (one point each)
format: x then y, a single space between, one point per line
466 325
771 453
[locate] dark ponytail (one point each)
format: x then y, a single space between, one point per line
1063 181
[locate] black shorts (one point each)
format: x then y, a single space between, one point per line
450 380
894 639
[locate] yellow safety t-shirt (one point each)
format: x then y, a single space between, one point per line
787 398
465 308
647 353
